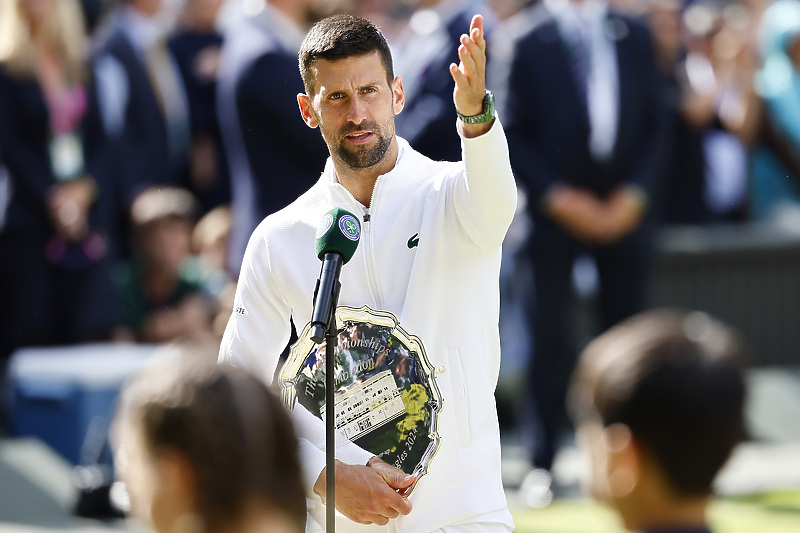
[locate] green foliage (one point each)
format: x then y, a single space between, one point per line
414 398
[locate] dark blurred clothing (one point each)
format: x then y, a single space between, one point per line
704 179
428 116
187 47
681 198
137 304
273 155
92 11
52 291
196 55
146 152
623 272
549 124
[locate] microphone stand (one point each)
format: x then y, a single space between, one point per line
330 415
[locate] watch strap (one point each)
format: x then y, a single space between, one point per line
487 115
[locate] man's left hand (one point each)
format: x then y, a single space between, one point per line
470 77
371 494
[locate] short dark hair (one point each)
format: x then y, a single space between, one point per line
340 37
674 379
235 433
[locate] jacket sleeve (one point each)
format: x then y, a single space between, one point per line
311 433
259 326
486 199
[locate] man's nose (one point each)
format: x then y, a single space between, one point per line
357 111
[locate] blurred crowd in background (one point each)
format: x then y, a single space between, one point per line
141 142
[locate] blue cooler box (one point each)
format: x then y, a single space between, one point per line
66 396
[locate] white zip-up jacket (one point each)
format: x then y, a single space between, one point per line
429 254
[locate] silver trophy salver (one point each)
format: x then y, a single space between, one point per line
386 399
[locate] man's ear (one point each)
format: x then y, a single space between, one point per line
398 95
624 460
306 111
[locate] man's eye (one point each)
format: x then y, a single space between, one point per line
336 96
369 89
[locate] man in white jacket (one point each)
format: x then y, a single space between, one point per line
427 265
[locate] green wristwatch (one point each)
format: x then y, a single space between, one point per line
487 115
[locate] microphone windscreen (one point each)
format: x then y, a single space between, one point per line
338 232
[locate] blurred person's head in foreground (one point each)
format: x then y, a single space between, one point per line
658 405
207 448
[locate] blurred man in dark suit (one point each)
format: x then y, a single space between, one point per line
143 99
427 121
272 156
585 139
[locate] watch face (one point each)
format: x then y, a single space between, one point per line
488 104
386 398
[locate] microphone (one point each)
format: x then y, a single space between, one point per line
337 239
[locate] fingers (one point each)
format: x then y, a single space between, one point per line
394 477
472 54
457 75
470 75
382 505
476 31
399 481
401 505
473 45
476 24
369 494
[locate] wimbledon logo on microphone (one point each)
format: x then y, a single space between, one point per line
324 225
350 227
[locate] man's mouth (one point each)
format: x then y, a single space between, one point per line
359 137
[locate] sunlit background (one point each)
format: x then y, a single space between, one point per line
728 244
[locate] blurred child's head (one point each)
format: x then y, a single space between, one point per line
162 220
658 402
207 447
210 237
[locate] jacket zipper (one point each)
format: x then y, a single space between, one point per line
365 241
367 218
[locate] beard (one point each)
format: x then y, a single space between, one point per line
363 156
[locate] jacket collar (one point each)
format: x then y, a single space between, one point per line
400 177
